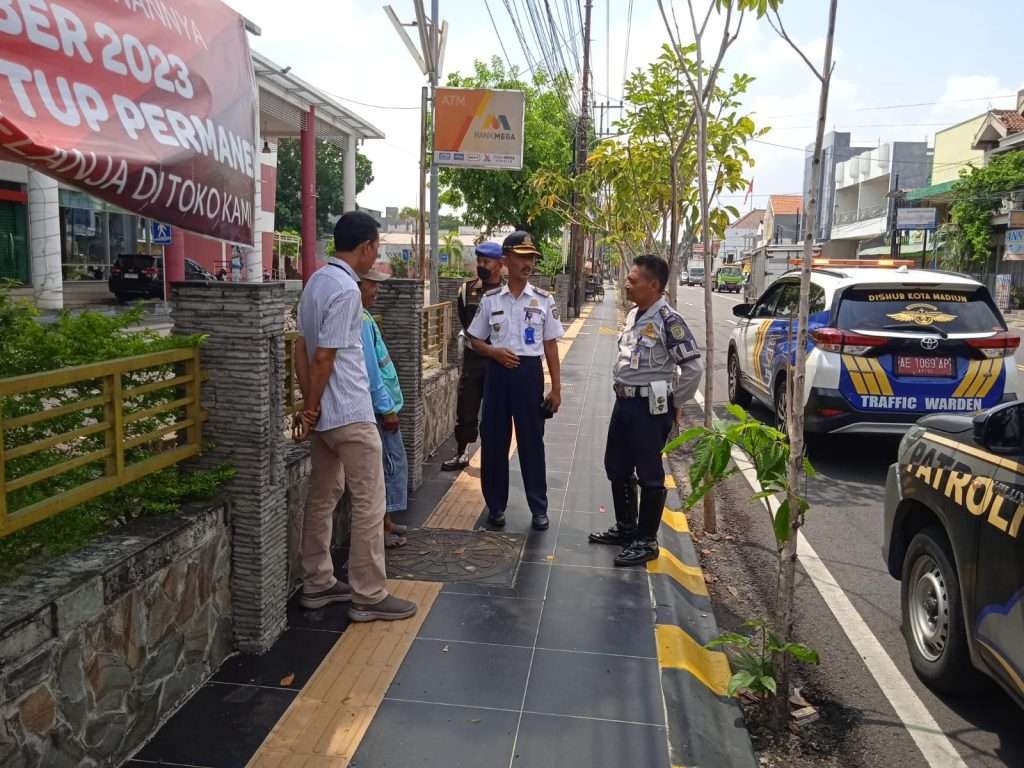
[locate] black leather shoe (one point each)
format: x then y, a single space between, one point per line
496 519
617 535
638 553
541 522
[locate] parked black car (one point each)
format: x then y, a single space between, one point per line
954 519
141 276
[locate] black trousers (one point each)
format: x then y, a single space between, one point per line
513 396
471 393
635 440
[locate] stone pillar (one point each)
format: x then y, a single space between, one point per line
399 312
244 398
348 184
254 256
307 140
449 291
44 241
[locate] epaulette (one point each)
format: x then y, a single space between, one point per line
493 292
541 292
667 313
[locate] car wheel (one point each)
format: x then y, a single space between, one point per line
933 623
779 403
737 394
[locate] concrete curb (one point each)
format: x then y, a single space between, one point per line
705 727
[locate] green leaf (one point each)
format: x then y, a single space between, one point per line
768 683
741 681
781 523
802 653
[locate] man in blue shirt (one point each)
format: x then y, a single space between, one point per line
386 394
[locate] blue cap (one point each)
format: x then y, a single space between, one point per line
489 250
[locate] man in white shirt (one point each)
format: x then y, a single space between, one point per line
346 449
514 327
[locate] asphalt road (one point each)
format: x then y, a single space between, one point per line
844 527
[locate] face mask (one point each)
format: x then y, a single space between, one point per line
484 274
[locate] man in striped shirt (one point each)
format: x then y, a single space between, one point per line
346 446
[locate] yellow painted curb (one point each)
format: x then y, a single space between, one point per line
689 577
677 650
675 520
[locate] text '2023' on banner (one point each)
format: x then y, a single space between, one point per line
148 104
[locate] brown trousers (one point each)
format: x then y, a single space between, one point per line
348 456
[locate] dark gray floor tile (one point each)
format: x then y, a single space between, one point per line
293 659
596 685
598 610
483 619
221 726
546 741
531 583
404 735
587 493
573 546
465 674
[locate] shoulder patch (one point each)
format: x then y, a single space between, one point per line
493 292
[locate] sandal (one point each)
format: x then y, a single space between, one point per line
394 541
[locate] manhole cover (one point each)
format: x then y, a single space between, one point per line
437 554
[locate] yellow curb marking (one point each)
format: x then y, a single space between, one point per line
689 577
326 722
675 520
670 481
677 650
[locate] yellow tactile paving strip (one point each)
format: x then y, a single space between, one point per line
326 722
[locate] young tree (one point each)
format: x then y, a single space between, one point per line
492 199
702 81
790 514
329 183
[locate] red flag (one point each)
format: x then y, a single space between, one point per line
750 191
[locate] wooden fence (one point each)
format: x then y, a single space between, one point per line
437 330
167 406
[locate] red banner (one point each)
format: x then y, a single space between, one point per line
148 104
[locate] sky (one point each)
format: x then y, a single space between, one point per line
904 69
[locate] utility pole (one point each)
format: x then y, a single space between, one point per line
421 224
435 46
581 155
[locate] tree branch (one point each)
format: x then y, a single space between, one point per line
780 30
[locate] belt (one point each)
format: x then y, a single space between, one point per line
624 390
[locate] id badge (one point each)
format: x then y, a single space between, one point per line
529 335
634 360
658 397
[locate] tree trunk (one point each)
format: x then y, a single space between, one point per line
795 412
673 253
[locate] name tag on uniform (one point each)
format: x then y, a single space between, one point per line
529 335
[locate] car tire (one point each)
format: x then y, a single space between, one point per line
933 619
737 394
779 405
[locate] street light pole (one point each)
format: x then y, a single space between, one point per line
581 158
435 278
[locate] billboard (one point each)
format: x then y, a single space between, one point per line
1014 245
150 106
916 218
479 128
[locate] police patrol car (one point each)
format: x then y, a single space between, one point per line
954 535
886 346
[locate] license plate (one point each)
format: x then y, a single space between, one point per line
912 365
128 276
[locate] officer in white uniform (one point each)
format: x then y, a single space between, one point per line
514 327
658 367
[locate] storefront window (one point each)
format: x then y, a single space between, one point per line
94 234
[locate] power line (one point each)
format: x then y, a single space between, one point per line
497 34
365 104
625 58
903 106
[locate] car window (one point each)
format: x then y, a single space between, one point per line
766 304
950 310
817 303
789 300
1005 429
135 261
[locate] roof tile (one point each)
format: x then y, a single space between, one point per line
782 205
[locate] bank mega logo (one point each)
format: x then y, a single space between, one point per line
495 126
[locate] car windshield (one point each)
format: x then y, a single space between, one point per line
696 270
730 272
926 309
136 261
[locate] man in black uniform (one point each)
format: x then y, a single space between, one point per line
474 366
658 366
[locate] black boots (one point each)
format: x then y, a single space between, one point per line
645 544
458 462
624 531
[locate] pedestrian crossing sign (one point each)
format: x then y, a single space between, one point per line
160 234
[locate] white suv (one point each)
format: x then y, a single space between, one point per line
886 347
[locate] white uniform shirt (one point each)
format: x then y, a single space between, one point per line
521 325
331 316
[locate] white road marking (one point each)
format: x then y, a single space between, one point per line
912 712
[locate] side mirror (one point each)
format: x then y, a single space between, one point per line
742 310
1000 428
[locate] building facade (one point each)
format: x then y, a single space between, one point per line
782 217
836 148
741 236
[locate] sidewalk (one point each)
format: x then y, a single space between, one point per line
576 664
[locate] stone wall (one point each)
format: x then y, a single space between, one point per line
440 397
99 647
399 312
448 288
244 398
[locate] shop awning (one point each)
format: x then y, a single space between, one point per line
905 249
938 192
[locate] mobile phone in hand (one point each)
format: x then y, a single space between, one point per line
546 410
